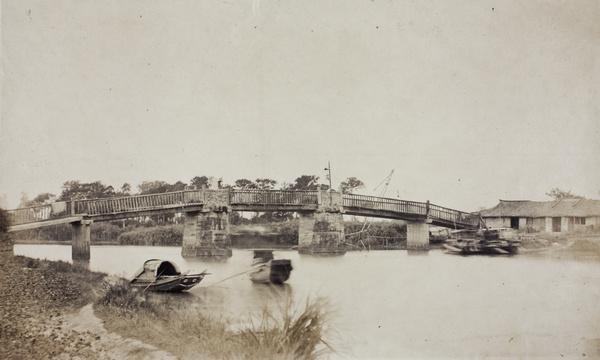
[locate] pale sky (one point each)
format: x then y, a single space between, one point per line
468 101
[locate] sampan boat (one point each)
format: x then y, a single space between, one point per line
163 275
268 270
490 241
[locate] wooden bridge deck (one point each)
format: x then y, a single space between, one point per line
237 200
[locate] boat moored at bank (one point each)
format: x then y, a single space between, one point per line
163 275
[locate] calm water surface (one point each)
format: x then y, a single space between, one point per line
395 304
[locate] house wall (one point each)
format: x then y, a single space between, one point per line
566 224
496 222
548 227
539 224
543 223
523 223
592 220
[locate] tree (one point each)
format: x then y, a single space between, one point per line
43 199
306 182
350 184
24 201
178 186
125 190
200 181
76 190
265 184
153 187
559 194
244 184
259 184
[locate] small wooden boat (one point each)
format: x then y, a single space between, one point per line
163 275
489 242
268 270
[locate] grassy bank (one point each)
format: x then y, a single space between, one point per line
174 323
38 294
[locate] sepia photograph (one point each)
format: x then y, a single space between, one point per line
320 180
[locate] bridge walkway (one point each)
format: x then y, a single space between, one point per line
107 209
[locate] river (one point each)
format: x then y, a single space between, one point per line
395 304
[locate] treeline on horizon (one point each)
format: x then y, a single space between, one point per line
77 190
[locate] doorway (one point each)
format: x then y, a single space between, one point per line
556 224
514 223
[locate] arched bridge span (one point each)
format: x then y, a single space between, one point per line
106 209
206 228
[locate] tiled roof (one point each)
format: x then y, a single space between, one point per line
526 208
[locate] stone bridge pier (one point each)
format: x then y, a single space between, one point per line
417 235
80 239
206 233
322 232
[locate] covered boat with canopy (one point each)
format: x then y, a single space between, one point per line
164 275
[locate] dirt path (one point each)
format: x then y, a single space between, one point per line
104 344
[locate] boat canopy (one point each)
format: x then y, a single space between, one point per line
155 267
263 254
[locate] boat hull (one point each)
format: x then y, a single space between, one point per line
176 283
475 247
273 271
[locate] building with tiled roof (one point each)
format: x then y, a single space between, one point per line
548 216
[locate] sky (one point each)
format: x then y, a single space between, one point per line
468 102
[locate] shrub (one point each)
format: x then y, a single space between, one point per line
359 234
169 235
105 232
121 295
4 221
288 232
5 238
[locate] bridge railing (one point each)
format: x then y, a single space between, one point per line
384 204
409 207
450 215
139 202
30 214
273 197
39 213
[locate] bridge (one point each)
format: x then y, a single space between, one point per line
206 229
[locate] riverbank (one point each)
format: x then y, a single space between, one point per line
55 310
36 297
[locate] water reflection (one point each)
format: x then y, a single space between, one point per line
273 291
417 252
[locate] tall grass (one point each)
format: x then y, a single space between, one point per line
119 294
290 333
175 323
